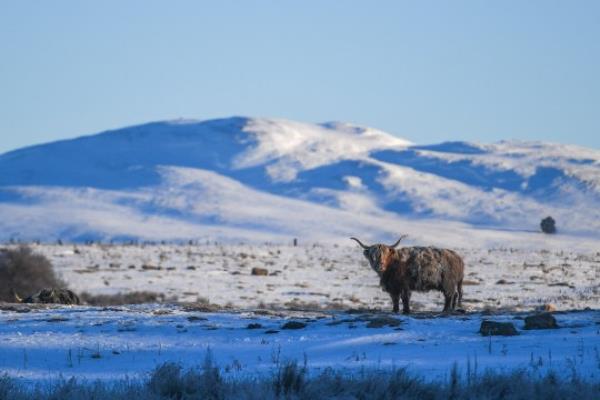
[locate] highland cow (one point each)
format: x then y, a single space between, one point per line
416 268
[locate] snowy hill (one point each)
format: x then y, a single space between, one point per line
267 179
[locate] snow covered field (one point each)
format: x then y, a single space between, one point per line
327 276
95 343
329 288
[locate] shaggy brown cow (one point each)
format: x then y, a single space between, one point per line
416 268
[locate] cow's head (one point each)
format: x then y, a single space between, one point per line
379 255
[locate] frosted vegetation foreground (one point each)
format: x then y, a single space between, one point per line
321 276
291 381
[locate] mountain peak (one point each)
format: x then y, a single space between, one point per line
290 146
182 172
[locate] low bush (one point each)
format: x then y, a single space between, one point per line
290 381
24 272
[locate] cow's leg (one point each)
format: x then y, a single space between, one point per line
453 301
406 302
460 293
396 301
447 301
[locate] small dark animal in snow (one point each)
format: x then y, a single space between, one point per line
50 296
416 268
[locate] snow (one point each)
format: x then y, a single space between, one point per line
525 158
259 179
40 343
202 205
233 194
290 147
324 276
93 343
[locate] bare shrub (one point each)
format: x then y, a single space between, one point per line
166 381
170 382
290 381
24 272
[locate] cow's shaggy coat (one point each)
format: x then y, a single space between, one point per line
416 268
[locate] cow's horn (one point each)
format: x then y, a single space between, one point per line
398 242
359 242
16 296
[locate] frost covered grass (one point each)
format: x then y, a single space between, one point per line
292 381
320 276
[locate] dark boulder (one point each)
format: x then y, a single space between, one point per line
494 328
195 318
294 325
541 321
382 321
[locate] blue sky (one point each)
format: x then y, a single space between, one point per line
427 71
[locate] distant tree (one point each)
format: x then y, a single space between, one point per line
548 225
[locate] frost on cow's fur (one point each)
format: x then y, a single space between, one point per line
416 268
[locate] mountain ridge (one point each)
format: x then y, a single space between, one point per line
509 185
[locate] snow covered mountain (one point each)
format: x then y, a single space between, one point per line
271 180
